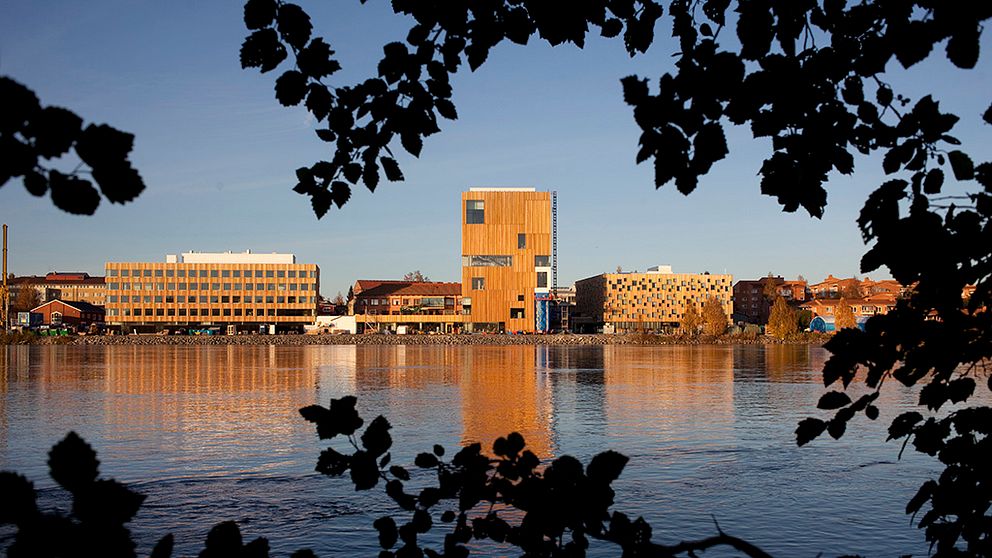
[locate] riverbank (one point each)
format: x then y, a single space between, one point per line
813 339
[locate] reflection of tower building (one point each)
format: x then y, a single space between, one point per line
497 388
501 394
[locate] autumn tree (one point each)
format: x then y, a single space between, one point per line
339 299
851 291
782 320
416 276
714 318
690 319
27 298
844 315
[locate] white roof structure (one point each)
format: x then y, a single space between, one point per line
246 257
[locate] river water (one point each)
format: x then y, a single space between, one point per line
210 433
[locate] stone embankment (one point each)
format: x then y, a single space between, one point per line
562 339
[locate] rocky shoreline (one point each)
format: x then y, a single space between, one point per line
557 339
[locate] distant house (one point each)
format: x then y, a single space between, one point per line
752 306
419 305
862 307
70 313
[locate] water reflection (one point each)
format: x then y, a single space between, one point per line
212 432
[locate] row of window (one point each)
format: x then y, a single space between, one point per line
425 301
213 299
209 273
210 286
479 283
500 261
202 312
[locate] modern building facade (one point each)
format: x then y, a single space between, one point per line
77 286
198 289
651 301
506 259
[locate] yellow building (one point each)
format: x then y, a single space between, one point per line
506 258
197 289
651 301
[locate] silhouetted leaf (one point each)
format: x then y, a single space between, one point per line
315 60
606 467
364 471
446 109
960 389
54 130
262 50
36 183
259 13
425 460
291 88
370 175
422 521
903 424
106 500
611 28
961 164
635 90
871 412
332 463
987 116
319 102
326 135
411 142
399 472
19 501
100 145
392 169
836 428
163 548
120 183
20 105
438 450
343 413
340 193
73 194
833 400
962 48
224 539
376 439
933 182
922 495
294 25
387 531
303 553
809 429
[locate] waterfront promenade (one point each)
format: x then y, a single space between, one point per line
555 339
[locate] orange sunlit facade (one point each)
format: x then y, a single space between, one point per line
506 257
199 289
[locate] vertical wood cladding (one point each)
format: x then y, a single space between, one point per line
508 213
649 300
224 293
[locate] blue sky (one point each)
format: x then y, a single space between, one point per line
217 153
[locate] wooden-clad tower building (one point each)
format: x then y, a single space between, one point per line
506 259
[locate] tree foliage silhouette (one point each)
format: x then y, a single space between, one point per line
31 134
808 75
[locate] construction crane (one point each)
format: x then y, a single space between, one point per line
5 292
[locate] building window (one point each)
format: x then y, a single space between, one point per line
225 299
227 311
478 283
181 273
170 312
521 240
520 298
269 273
215 312
170 273
236 273
237 311
542 261
280 274
147 273
475 212
292 274
204 286
542 279
182 311
227 286
160 311
516 313
487 261
158 273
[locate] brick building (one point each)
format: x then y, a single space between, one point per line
64 286
418 305
69 313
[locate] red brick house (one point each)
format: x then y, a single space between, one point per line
70 313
